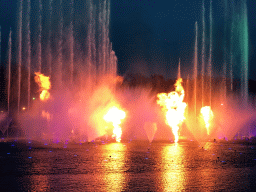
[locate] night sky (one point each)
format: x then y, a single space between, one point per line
149 36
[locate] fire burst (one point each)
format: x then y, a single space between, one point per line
174 107
207 115
45 85
115 115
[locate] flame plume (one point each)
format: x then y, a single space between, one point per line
44 84
115 115
174 107
207 116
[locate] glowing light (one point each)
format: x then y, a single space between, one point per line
207 116
34 98
174 107
46 115
45 85
115 115
23 108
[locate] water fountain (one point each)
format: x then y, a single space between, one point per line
219 91
78 58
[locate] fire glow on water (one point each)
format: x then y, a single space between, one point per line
174 107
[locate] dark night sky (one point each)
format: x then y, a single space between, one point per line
149 36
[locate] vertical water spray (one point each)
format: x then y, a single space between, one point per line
179 76
60 48
210 57
49 40
9 70
89 44
0 44
187 95
203 54
224 77
231 50
40 38
195 67
28 50
107 37
99 51
93 41
19 52
71 49
244 41
104 37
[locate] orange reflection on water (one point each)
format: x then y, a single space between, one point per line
39 182
173 173
113 165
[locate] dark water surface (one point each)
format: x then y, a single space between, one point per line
128 167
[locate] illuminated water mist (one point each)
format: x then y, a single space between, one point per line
72 51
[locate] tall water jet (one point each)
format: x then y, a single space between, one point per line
203 54
28 52
40 38
89 44
9 70
210 57
244 43
93 42
104 14
71 49
60 48
0 44
107 39
224 73
195 68
179 76
30 45
49 47
231 50
19 53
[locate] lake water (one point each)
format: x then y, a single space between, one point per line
135 166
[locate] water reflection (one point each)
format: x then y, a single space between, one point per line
39 183
113 164
39 180
173 173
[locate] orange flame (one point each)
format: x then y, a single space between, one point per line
174 107
45 85
115 115
207 116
